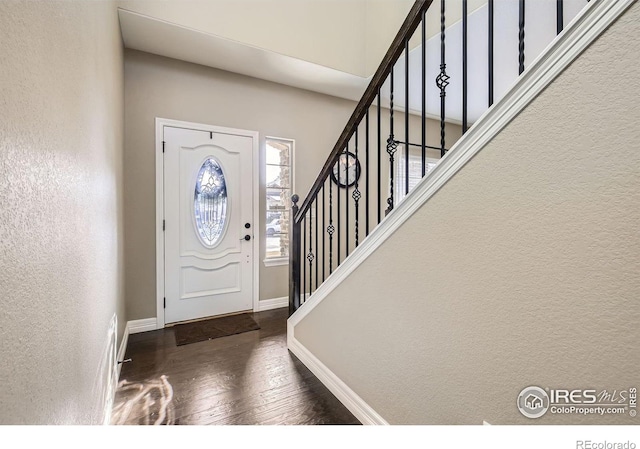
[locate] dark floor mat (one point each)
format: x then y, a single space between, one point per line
214 328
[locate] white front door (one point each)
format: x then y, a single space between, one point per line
208 208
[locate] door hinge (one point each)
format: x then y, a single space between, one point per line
164 225
163 142
164 304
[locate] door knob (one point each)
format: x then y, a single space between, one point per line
246 237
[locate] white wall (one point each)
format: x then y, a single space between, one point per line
61 214
524 269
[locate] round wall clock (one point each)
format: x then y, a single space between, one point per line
346 170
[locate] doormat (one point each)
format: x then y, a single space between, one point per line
214 328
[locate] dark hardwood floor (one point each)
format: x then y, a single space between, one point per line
249 378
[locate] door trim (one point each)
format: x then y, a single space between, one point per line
160 124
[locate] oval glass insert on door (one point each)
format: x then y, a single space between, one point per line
210 202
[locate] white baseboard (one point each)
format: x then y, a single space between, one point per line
145 325
274 303
132 327
122 349
354 403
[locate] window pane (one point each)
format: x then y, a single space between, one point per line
277 234
278 153
278 176
278 199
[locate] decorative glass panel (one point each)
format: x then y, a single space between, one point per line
210 201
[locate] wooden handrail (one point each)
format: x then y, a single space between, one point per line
395 50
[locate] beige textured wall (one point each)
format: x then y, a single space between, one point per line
61 208
530 267
162 87
326 32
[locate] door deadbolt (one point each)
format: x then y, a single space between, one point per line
247 225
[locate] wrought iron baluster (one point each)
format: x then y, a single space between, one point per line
346 203
338 221
406 116
304 264
310 256
424 92
324 222
521 37
294 259
356 195
379 167
392 146
442 81
366 146
330 229
559 16
317 247
464 67
490 45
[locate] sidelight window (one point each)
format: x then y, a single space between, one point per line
279 184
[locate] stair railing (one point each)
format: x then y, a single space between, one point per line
342 208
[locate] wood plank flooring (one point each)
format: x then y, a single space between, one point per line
248 379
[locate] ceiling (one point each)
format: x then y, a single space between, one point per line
141 32
152 35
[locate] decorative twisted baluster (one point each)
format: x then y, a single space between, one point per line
330 229
521 38
310 255
356 195
324 220
392 146
303 284
442 80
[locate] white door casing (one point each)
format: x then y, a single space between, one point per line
202 277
